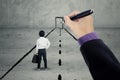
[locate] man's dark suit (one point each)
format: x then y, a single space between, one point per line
100 60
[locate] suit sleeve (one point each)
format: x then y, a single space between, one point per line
100 60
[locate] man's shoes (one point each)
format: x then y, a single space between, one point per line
38 68
42 68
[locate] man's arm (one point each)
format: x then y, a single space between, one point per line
36 46
48 43
99 58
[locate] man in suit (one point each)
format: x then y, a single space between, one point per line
41 45
100 60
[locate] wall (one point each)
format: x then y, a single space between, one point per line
41 13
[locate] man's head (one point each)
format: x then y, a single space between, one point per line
41 33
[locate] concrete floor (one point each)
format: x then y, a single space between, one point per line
14 43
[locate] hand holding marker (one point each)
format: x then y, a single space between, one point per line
76 16
81 15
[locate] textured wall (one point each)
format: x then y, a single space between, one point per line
16 39
41 13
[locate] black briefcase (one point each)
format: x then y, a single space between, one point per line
35 58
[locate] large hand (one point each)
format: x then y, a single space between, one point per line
79 27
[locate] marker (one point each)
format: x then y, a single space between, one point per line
81 15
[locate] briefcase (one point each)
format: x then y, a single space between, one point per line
35 58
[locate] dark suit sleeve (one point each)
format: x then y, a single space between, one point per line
101 62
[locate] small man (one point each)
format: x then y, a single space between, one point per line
41 45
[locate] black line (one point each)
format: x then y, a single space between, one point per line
70 33
17 63
22 58
60 32
50 31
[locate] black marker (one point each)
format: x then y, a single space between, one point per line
81 15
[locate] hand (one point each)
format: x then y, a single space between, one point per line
79 27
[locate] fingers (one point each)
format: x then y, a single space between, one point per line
67 19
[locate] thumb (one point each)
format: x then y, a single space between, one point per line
67 20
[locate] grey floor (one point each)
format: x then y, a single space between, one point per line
14 43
